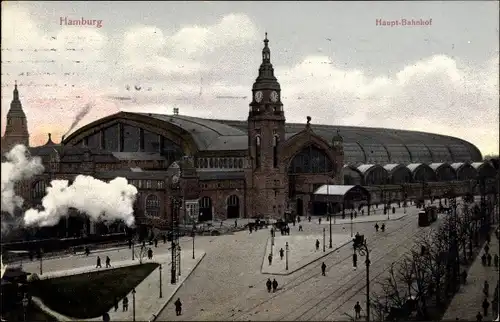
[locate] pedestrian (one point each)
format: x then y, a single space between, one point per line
250 228
488 258
376 227
319 220
486 289
150 253
355 260
272 232
464 276
143 243
298 219
288 230
269 285
357 310
393 210
116 304
317 244
87 251
98 262
300 228
282 253
221 223
323 269
309 218
125 304
270 259
178 307
236 223
496 260
479 317
108 262
382 227
156 242
275 285
486 305
483 259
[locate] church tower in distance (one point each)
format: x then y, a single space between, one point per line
266 129
16 131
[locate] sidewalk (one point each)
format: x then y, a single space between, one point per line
147 302
468 301
302 252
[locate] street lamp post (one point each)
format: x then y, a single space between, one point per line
286 258
25 306
324 238
161 290
194 233
361 247
351 224
133 255
133 304
41 261
179 259
330 243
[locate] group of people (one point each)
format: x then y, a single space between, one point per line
486 260
108 262
381 227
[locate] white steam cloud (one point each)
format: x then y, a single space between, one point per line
19 166
99 200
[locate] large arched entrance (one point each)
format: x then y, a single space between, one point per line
205 209
233 207
300 207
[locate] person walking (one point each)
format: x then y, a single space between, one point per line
323 269
178 307
150 253
317 244
282 253
275 285
115 302
485 305
125 304
269 285
270 259
108 262
357 311
376 227
382 227
98 262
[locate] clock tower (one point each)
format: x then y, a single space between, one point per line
266 132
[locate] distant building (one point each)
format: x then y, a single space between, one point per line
263 166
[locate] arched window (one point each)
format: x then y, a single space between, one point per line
257 151
275 151
152 206
311 160
39 190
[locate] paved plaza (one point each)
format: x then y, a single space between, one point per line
228 284
365 218
302 251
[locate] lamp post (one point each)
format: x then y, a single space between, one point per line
161 290
133 255
324 242
330 243
286 258
41 261
351 224
194 233
25 306
133 304
361 247
179 258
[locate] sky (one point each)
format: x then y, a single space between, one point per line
338 62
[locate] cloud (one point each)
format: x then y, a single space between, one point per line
194 66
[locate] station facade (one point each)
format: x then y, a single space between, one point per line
260 167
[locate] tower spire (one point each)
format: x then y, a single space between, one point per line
266 52
16 92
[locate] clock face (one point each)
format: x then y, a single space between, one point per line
258 96
274 96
